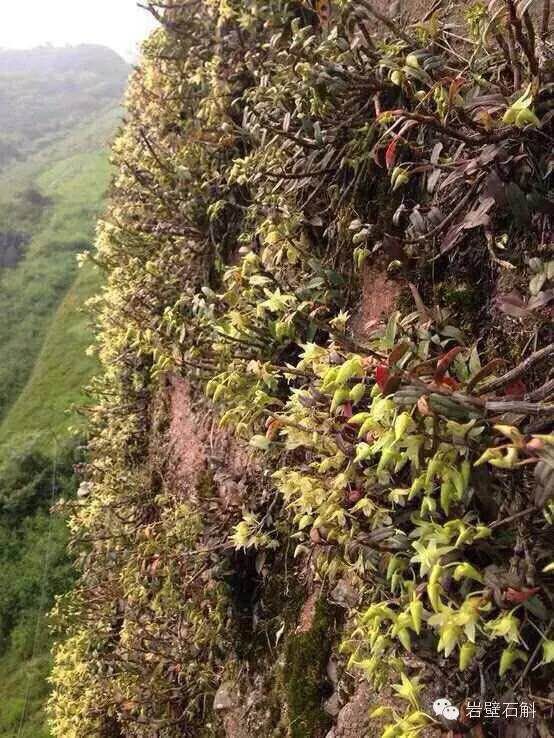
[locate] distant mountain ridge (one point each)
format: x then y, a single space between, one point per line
45 92
48 59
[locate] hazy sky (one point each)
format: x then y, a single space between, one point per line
119 24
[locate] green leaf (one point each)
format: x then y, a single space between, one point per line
357 392
260 442
380 711
548 651
536 283
505 626
467 652
339 396
390 333
467 571
401 425
474 361
363 451
416 611
409 689
509 656
351 368
405 638
535 606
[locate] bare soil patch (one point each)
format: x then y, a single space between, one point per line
378 299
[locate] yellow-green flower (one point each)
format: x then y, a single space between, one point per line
505 626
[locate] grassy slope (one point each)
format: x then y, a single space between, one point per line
30 293
22 685
43 364
93 135
47 335
25 667
59 373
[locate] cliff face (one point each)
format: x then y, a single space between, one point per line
322 439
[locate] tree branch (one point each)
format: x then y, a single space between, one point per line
520 370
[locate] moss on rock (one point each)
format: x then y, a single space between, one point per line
306 657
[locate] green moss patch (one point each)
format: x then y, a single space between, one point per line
306 657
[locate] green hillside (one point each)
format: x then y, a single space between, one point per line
93 134
31 292
34 567
59 373
53 182
43 367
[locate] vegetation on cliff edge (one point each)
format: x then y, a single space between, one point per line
272 153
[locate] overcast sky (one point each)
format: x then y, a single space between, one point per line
119 24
